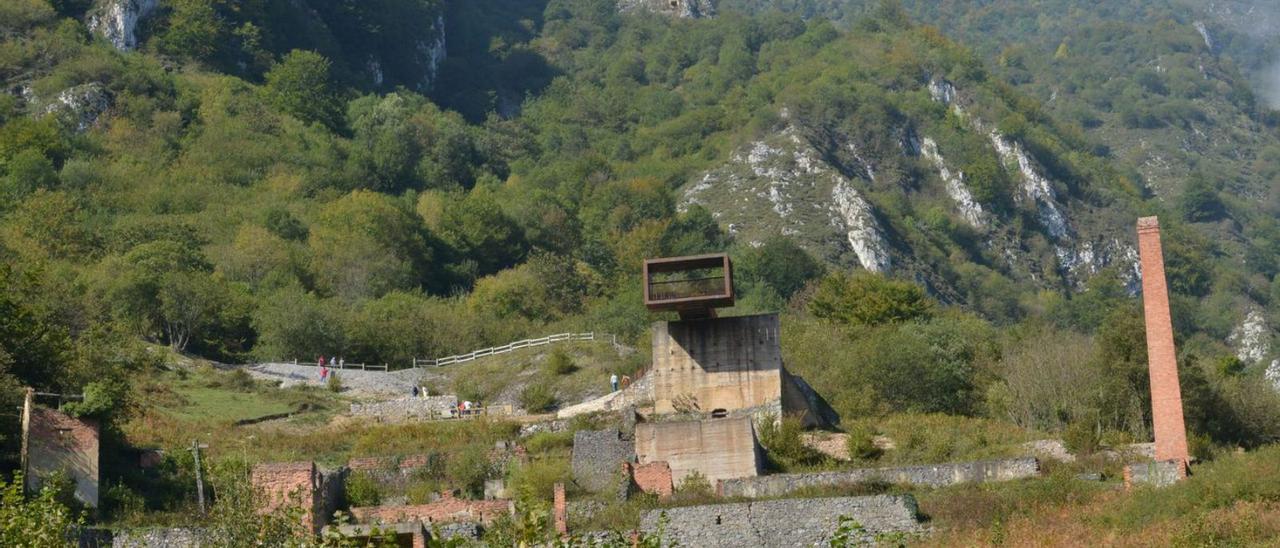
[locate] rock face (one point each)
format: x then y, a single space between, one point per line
1251 338
969 208
678 8
781 183
81 105
431 53
117 21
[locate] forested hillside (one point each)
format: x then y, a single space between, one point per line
246 180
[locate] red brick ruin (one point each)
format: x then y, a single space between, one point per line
1166 396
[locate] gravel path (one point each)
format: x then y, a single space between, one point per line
367 383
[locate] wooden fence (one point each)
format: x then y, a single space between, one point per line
491 351
495 350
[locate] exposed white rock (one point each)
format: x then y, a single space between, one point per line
117 21
432 52
678 8
942 91
1272 374
1035 186
1204 33
80 105
864 233
375 70
1251 338
959 192
781 184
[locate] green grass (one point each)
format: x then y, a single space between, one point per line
221 405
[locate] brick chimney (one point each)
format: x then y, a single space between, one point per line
1162 362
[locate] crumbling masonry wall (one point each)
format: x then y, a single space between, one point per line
790 522
598 456
282 484
931 475
719 449
446 510
59 442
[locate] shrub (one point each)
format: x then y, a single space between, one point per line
468 469
1082 437
420 492
559 363
538 397
363 490
335 384
866 298
783 442
861 444
694 487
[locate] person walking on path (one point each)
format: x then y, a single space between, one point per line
324 373
613 381
342 363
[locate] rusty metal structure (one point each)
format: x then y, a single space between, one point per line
693 286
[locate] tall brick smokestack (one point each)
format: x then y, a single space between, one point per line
1162 362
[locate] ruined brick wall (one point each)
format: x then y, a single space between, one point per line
283 484
719 363
932 475
59 442
654 478
597 454
718 448
447 510
789 522
1162 359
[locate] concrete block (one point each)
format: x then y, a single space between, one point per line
719 449
1157 474
789 522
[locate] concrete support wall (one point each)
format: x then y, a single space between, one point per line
1162 359
57 442
933 475
791 522
718 363
720 449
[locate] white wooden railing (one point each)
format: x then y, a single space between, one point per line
491 351
494 350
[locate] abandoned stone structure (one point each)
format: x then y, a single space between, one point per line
299 483
53 441
790 522
653 478
446 510
598 456
929 475
1162 359
430 407
719 449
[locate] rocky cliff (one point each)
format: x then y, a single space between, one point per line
678 8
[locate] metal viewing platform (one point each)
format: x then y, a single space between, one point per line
693 286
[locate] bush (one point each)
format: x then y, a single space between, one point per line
538 397
695 487
861 444
468 469
559 363
363 490
1082 437
783 442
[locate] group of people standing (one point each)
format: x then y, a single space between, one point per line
333 362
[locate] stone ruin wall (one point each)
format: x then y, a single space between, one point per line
446 510
789 522
59 442
931 475
298 483
597 457
429 407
